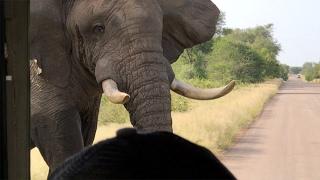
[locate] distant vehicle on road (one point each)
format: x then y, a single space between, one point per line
298 75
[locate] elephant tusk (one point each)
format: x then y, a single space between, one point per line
200 94
112 92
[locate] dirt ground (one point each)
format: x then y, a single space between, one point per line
284 142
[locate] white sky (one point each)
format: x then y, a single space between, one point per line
296 24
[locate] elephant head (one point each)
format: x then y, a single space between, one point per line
126 47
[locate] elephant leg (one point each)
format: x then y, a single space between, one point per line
32 145
90 120
57 135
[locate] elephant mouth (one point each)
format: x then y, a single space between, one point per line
110 89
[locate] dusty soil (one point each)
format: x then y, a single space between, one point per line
284 142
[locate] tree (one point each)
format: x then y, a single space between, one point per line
284 71
311 70
220 27
234 60
248 55
317 70
195 56
308 71
295 70
261 40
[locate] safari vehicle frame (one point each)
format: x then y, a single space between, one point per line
15 90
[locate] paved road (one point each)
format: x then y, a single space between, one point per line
284 143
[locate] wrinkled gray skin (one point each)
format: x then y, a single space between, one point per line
80 43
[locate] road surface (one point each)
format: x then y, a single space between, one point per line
284 142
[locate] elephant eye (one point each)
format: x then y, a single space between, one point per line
98 28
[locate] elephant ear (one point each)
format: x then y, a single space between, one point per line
48 42
186 23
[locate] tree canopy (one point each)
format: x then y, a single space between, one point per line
247 55
311 70
295 70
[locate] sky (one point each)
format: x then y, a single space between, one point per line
296 24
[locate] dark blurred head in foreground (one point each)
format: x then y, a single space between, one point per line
131 155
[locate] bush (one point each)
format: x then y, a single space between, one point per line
206 83
295 70
311 71
234 60
112 113
284 71
179 103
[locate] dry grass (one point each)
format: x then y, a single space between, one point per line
316 81
39 169
212 124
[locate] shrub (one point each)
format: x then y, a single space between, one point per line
179 103
112 113
311 71
234 60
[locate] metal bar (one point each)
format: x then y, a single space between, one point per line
18 89
3 125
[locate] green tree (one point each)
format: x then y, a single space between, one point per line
308 71
234 60
284 71
248 55
221 23
295 70
261 40
317 70
194 58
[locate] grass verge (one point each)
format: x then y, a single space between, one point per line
316 81
214 124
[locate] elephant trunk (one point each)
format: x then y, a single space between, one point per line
141 81
149 87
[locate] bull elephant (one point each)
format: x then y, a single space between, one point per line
122 48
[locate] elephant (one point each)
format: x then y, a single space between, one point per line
122 48
165 156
